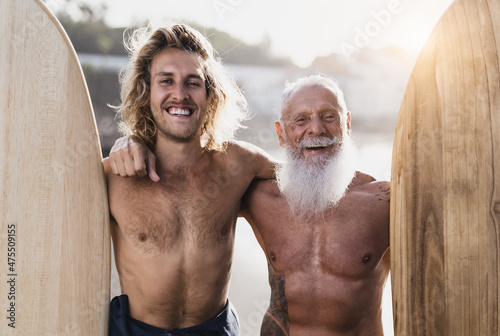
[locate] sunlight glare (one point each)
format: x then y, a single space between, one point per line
415 38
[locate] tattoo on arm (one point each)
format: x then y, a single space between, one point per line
275 322
384 192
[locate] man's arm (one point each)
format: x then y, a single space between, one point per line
259 161
131 157
112 182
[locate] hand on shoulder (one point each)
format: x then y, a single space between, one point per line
131 157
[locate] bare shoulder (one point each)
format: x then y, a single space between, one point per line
370 199
113 183
107 168
369 185
244 149
108 171
368 182
113 180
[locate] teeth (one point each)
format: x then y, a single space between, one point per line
178 111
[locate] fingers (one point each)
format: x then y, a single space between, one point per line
122 163
114 167
128 157
151 167
138 162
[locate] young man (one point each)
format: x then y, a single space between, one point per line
173 239
323 226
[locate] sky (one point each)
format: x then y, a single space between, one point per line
299 30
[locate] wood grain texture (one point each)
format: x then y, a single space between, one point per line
52 184
445 199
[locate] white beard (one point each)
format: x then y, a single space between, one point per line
311 188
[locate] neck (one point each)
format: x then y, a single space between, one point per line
171 155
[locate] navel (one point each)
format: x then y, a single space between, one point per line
272 256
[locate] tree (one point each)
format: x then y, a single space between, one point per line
87 29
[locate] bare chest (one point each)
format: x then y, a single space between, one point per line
155 218
342 243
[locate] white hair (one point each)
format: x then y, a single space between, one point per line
311 81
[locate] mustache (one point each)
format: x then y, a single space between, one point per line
186 103
318 142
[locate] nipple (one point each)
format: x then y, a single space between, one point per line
366 259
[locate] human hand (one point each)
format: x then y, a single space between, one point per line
130 157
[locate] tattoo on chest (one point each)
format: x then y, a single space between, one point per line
275 322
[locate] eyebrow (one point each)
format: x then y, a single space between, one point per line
170 74
325 108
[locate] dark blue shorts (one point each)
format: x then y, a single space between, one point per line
121 324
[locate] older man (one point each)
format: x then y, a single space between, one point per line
323 226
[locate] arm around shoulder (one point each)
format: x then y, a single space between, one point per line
131 157
256 159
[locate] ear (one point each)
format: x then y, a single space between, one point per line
348 122
280 131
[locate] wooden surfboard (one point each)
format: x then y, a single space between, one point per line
445 200
54 238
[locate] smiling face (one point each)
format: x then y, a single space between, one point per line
178 94
312 120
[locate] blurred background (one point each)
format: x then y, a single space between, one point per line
368 46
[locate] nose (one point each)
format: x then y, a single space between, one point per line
317 128
179 93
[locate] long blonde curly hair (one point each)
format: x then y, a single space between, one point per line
226 104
